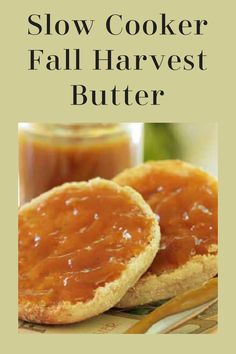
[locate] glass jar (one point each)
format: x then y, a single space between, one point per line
51 154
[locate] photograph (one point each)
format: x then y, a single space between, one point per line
117 228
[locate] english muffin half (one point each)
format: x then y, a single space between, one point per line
81 247
184 199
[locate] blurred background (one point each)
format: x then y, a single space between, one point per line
52 154
192 142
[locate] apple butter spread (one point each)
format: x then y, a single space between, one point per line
185 202
75 240
52 154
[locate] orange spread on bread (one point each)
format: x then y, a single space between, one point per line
77 240
186 208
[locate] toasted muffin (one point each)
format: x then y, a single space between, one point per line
81 247
184 199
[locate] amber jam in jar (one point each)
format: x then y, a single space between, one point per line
77 240
51 154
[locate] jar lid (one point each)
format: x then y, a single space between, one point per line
67 130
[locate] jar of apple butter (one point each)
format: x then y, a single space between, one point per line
52 154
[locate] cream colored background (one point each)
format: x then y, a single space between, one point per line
192 96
